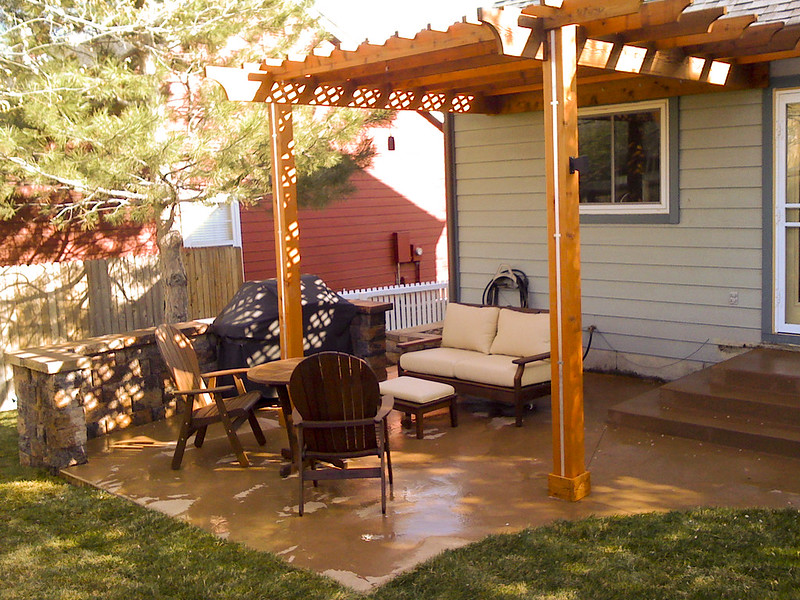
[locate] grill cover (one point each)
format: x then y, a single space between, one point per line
248 332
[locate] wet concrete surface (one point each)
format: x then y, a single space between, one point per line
454 487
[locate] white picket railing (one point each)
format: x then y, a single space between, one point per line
414 304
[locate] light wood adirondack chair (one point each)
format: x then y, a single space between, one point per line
204 402
338 413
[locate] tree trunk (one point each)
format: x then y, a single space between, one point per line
173 274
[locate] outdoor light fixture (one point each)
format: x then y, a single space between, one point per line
391 142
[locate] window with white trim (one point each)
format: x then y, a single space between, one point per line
210 224
628 152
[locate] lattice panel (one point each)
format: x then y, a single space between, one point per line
366 98
432 101
401 100
463 103
327 94
285 93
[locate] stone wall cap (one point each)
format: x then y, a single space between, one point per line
48 359
73 356
370 306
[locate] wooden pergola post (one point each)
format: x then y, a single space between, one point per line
287 231
569 479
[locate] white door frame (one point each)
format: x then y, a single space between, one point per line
781 99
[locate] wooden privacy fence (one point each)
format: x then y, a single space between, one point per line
413 304
124 293
51 303
215 274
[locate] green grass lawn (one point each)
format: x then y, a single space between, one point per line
58 542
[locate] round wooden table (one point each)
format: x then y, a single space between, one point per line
277 374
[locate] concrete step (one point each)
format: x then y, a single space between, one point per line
648 412
764 369
751 401
702 391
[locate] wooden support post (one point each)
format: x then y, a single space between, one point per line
569 479
287 232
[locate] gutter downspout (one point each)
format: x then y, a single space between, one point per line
451 209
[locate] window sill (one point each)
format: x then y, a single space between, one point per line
629 218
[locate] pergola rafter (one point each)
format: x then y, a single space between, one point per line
552 55
655 21
719 30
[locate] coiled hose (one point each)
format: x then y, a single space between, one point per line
506 279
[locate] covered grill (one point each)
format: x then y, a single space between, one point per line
248 331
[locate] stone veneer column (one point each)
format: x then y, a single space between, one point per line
50 422
368 334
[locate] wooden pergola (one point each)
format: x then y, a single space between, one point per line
506 61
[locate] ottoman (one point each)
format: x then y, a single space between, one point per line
418 396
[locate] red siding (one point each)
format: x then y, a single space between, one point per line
29 240
349 244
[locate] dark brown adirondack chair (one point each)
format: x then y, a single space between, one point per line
204 402
339 414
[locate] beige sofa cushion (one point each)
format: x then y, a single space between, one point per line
521 334
469 327
436 361
496 369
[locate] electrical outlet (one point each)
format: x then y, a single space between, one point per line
733 298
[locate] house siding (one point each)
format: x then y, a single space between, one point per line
658 294
30 238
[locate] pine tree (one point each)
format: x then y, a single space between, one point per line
103 103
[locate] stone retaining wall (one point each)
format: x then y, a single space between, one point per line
70 393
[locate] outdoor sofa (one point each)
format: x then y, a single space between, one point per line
502 354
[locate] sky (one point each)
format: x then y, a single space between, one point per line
376 20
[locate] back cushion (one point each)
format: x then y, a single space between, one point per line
521 334
469 327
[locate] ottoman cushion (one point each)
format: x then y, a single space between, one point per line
418 391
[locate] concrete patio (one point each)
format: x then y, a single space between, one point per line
454 487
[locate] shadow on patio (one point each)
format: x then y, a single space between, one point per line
454 487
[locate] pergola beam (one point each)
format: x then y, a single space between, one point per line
721 30
434 61
783 40
768 54
578 12
615 88
694 23
651 16
477 77
754 37
243 85
446 72
459 38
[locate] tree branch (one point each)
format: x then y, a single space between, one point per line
121 196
